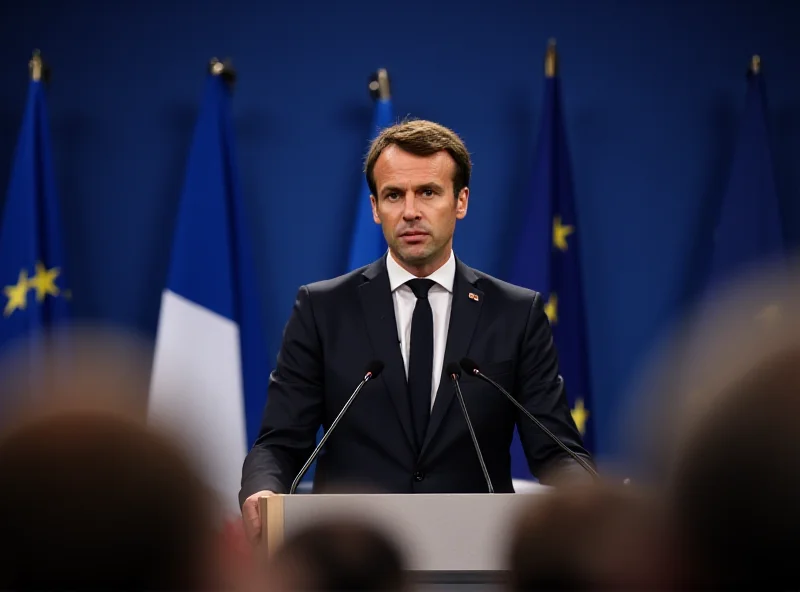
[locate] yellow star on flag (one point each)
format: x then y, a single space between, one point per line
44 281
560 233
551 308
580 415
17 294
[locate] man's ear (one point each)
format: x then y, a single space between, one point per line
462 201
374 203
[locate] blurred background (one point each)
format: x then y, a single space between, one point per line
653 95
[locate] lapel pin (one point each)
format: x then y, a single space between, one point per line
474 296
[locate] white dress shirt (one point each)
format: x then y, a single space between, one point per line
440 297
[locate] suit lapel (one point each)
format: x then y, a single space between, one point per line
378 306
464 313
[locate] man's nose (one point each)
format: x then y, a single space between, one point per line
410 212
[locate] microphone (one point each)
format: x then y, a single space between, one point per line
374 368
472 368
455 372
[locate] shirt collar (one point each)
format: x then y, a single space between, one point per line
444 276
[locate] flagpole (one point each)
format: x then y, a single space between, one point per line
755 64
39 70
551 60
379 86
224 69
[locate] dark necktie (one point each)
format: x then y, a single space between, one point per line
420 359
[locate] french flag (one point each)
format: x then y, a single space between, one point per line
210 370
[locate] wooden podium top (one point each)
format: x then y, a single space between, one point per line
437 532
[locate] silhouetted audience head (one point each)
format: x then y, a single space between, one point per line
586 537
737 483
92 499
337 555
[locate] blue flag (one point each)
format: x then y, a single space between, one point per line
748 229
32 264
368 243
210 368
547 259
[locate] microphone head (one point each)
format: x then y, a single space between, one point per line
375 367
469 366
453 370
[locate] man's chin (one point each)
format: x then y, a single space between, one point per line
412 255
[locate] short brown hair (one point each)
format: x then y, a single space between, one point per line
129 512
340 554
421 138
735 530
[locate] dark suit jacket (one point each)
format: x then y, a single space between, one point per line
338 326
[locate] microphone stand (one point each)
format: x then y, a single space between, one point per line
542 427
328 433
460 397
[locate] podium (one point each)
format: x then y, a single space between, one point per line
448 540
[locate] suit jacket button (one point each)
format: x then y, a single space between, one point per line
418 476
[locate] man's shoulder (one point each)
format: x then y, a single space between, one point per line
336 284
503 289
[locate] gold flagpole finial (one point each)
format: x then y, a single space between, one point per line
551 60
38 69
379 86
222 68
755 64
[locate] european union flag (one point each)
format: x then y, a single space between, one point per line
209 374
547 258
748 229
368 243
32 265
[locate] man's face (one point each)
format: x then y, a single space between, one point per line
416 207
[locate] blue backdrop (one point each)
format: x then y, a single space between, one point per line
652 92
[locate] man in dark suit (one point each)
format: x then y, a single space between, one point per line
417 309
